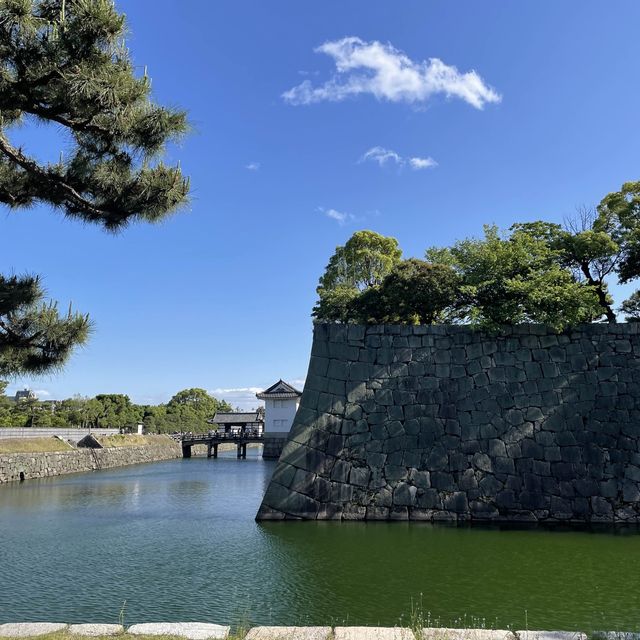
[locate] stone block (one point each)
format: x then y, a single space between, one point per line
466 634
359 476
189 630
456 501
630 491
30 629
483 462
372 633
551 635
437 459
96 629
289 633
404 495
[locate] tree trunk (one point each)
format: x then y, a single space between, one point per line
602 294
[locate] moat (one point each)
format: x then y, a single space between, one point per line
177 540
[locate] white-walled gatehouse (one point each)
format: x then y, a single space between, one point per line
281 402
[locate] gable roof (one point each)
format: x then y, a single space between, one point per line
236 418
279 391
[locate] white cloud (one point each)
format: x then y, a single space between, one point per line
418 163
42 393
252 166
243 397
382 156
389 74
340 217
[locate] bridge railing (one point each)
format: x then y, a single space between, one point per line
214 435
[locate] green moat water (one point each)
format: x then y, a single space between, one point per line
177 541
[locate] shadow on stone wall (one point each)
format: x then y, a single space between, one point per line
450 423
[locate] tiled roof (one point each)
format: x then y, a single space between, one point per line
234 418
279 391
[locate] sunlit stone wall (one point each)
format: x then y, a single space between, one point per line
450 423
27 466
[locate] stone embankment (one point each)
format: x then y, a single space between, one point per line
26 466
207 631
451 423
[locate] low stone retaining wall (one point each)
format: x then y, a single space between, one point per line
26 466
207 631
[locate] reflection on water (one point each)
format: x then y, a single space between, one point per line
177 541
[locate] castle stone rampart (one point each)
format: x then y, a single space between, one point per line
452 423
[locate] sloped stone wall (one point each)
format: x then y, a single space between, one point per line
450 423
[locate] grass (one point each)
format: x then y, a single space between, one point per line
52 444
33 445
132 440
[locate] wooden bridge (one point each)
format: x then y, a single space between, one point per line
214 439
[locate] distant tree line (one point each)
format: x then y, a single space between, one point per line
187 410
538 272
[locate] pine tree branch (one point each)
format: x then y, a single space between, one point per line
57 182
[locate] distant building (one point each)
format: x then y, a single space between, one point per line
236 421
24 395
281 402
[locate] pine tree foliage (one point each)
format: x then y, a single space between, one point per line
34 336
64 62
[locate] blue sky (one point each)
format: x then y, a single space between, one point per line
285 99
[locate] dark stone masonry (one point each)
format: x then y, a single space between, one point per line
451 423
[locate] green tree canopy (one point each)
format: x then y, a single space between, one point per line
116 410
619 218
363 262
631 307
591 254
365 259
64 62
190 409
516 278
414 292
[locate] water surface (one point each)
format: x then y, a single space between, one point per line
177 540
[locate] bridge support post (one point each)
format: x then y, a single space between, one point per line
239 447
209 450
215 450
186 450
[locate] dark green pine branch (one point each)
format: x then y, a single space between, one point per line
64 62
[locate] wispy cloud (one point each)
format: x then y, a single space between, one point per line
341 217
384 156
389 74
243 397
418 163
252 166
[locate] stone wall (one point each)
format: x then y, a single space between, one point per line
25 466
450 423
273 445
